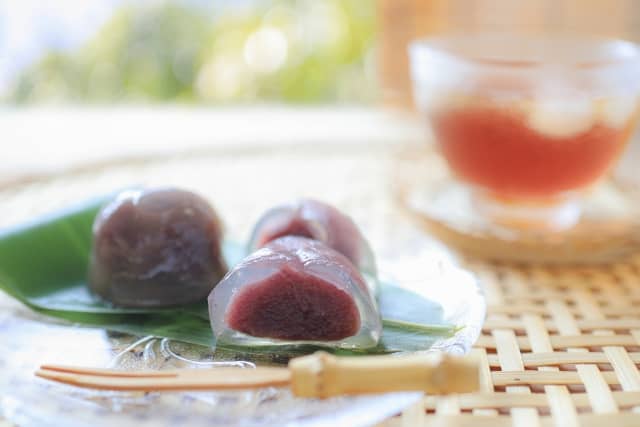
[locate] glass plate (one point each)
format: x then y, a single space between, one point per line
405 255
608 229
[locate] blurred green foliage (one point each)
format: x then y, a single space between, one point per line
281 50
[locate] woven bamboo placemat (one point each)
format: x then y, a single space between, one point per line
561 346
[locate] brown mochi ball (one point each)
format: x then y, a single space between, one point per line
156 248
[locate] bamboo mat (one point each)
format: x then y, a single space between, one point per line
561 346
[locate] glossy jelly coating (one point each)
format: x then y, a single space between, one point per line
295 289
319 221
156 248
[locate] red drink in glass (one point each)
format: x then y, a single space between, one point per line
527 122
502 151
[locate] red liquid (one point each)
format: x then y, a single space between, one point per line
495 149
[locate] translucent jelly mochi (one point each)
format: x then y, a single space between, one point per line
319 221
295 290
156 248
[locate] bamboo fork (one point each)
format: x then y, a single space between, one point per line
318 375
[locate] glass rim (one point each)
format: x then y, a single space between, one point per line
620 53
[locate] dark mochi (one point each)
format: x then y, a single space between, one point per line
156 248
319 221
295 289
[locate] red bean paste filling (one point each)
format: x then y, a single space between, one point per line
293 306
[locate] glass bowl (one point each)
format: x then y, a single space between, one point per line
527 124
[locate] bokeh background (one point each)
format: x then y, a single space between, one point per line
187 51
221 52
185 73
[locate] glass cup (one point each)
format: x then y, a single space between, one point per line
527 123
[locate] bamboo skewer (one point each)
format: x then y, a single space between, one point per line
318 375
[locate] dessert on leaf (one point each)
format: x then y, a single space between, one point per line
156 248
295 290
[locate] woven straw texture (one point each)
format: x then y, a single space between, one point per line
561 346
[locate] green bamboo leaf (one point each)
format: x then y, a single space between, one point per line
44 265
